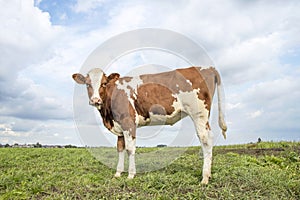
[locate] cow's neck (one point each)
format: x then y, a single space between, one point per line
106 109
107 116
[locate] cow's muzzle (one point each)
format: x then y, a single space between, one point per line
96 102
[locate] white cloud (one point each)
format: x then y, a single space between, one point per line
87 5
256 114
231 106
130 18
15 130
25 37
27 40
6 130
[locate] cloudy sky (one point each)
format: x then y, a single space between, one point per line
254 44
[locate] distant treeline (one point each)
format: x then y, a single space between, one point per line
37 145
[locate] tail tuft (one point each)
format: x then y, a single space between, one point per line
224 128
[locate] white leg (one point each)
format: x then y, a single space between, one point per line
130 147
131 170
207 156
120 167
206 139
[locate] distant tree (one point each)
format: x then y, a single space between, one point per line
37 145
161 145
7 145
259 140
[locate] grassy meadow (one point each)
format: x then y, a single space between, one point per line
253 171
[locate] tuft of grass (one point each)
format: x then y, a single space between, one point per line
237 173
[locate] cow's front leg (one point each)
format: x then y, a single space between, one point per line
121 151
130 147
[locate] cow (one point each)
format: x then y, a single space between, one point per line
126 103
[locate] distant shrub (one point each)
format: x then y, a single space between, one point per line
70 146
37 145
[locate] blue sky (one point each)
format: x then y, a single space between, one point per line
255 45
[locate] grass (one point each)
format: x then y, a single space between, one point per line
262 171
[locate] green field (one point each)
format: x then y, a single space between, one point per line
262 171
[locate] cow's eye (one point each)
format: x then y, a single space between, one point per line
88 85
103 85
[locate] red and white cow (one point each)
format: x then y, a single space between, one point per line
155 99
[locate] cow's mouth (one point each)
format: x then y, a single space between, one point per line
98 105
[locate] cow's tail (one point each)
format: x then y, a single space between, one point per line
222 123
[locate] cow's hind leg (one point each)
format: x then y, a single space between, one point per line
121 151
206 139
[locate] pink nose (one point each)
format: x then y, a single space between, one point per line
96 100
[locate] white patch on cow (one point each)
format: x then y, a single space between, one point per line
120 166
130 147
196 109
141 121
156 119
207 154
129 141
159 119
189 82
129 86
189 103
96 77
117 129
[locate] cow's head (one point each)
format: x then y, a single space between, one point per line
96 82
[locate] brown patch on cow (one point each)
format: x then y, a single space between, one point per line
120 143
120 108
89 86
79 78
113 77
116 105
174 81
127 116
106 96
204 79
102 89
156 98
207 126
106 113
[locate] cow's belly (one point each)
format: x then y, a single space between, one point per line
158 119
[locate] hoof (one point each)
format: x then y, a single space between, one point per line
118 174
130 176
204 181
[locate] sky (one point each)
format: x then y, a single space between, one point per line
254 44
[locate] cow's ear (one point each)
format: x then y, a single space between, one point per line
79 78
113 76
